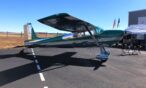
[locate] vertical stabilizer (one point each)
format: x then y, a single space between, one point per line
33 34
29 33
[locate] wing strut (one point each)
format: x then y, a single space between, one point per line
103 56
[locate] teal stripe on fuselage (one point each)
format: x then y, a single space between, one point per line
109 37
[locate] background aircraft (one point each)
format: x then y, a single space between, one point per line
82 33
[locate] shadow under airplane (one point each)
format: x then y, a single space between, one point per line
84 44
45 62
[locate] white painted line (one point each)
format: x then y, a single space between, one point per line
38 67
36 61
34 56
42 77
33 53
32 50
45 86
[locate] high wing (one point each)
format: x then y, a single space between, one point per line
66 22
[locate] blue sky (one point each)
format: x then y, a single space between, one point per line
15 13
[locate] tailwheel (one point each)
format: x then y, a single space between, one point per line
21 52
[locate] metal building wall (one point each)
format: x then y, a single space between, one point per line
134 15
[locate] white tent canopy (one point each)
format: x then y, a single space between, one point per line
138 30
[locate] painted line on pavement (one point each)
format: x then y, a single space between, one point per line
38 67
45 86
36 61
42 77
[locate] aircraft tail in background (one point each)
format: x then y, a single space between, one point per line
29 33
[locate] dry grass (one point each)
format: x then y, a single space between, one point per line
10 42
14 40
12 35
43 35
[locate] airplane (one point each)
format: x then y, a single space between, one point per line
82 33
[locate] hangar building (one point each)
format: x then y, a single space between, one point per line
137 17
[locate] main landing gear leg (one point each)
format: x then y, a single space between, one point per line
103 56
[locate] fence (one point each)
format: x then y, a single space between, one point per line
21 35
